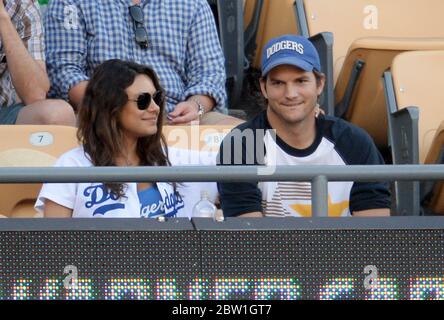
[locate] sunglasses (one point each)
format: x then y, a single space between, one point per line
144 99
140 32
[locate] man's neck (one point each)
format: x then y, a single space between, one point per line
299 135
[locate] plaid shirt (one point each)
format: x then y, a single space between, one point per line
184 48
25 16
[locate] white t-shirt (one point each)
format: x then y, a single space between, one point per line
191 191
88 200
291 198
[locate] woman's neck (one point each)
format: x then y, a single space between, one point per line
128 156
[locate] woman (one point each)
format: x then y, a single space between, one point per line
120 124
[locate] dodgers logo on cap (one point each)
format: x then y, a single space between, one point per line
290 49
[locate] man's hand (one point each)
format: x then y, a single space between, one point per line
188 111
184 113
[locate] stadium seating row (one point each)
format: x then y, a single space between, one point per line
364 40
414 97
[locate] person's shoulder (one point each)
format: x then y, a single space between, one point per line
338 129
257 122
248 129
353 144
243 142
26 3
74 157
18 9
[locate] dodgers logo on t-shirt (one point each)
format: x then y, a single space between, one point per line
173 202
152 204
98 194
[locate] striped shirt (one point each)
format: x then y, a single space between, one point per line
25 16
183 49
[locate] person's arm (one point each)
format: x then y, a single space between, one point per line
368 199
204 60
188 110
54 210
237 199
58 199
28 75
76 93
66 51
255 214
383 212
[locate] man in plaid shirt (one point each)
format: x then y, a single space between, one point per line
23 79
178 38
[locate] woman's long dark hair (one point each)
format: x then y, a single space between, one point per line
99 129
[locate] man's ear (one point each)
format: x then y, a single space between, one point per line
263 84
321 85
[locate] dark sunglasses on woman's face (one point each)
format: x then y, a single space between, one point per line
144 99
140 32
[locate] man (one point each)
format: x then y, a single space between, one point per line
291 82
23 79
178 38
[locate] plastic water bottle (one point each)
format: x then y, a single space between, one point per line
204 208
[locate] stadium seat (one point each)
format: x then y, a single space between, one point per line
276 18
365 104
351 20
414 96
196 138
29 146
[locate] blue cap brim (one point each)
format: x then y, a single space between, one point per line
290 61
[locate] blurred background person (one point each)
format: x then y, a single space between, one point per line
23 79
177 38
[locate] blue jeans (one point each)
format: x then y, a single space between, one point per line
8 115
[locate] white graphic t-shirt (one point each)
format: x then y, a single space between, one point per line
289 198
91 200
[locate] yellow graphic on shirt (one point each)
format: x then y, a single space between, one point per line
334 209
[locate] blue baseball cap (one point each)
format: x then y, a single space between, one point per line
290 49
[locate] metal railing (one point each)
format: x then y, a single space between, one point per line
318 175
